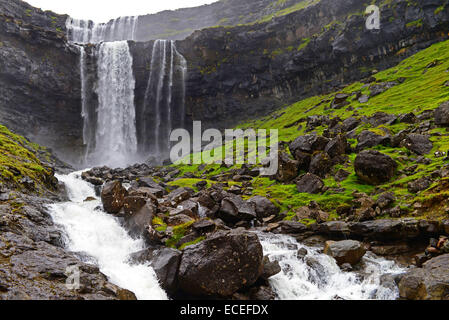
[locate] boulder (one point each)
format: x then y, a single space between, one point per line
428 283
165 263
150 183
309 183
336 146
369 139
270 268
179 195
419 185
385 200
380 118
350 124
204 226
222 264
442 114
234 209
287 168
264 207
308 143
374 167
346 251
292 227
138 223
321 164
113 197
418 143
132 204
382 230
179 219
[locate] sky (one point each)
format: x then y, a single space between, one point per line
104 10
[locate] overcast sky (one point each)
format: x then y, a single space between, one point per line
104 10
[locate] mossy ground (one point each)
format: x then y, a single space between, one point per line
18 160
421 86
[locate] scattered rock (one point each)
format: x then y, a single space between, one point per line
264 207
442 114
418 143
419 185
113 197
346 251
374 167
309 183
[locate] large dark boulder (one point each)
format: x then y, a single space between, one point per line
222 264
113 197
165 262
346 251
308 143
234 209
369 139
337 146
418 143
428 283
137 223
264 207
321 164
442 114
309 183
374 167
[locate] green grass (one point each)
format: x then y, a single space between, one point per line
18 160
421 88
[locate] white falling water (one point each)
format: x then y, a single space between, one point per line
99 235
116 140
318 277
168 68
85 31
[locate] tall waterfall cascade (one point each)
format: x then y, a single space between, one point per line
86 31
164 104
116 132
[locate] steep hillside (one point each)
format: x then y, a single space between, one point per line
393 113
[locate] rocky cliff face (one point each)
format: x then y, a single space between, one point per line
39 78
246 71
234 73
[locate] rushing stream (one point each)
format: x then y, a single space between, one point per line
100 236
91 231
318 277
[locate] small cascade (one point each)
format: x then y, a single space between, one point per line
91 231
85 31
116 141
318 277
164 104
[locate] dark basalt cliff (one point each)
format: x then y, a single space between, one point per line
39 78
243 72
234 73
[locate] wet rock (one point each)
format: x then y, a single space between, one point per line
165 263
346 251
262 293
368 139
234 258
204 226
179 219
382 230
270 268
181 194
374 167
292 227
287 168
308 143
137 223
113 197
302 253
321 164
350 124
132 204
234 209
309 183
150 183
418 143
442 114
337 146
264 207
419 185
428 283
385 200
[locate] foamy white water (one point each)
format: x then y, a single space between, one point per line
99 235
318 277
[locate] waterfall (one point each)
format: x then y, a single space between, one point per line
116 141
317 276
91 231
164 102
85 31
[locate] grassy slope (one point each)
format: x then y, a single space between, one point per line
423 89
18 160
